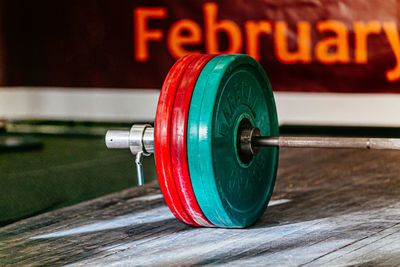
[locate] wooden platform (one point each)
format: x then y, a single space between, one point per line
330 207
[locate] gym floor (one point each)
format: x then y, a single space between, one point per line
329 207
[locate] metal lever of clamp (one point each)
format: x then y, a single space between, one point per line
139 139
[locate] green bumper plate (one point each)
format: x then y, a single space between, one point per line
231 193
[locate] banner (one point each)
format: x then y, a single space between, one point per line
303 45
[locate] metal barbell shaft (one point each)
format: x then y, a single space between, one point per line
122 139
140 140
328 142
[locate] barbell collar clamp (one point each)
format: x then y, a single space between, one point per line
139 139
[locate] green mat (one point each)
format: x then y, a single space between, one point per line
53 171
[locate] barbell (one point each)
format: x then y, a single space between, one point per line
214 114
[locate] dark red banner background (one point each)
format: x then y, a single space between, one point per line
304 45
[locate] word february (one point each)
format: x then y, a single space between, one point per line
333 48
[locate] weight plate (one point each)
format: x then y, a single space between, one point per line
162 145
230 90
178 140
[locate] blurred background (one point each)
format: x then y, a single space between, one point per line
70 70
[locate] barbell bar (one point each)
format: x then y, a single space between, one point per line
142 142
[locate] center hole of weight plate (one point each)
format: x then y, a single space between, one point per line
244 149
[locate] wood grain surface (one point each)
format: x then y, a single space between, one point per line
330 207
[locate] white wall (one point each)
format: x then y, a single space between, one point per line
105 104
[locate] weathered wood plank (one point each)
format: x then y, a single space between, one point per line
330 207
